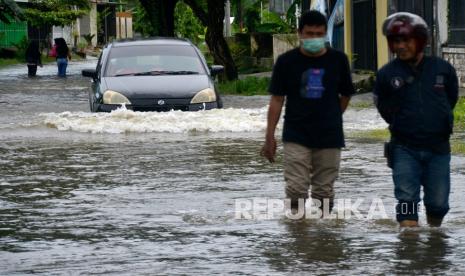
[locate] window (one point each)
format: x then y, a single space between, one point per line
139 59
457 22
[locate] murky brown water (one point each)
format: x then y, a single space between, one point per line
154 193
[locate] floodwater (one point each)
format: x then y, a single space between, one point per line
156 193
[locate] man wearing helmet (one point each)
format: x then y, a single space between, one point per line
415 94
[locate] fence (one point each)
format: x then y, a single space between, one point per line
12 33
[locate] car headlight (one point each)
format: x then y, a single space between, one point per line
112 97
204 96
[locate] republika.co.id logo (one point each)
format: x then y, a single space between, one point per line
344 208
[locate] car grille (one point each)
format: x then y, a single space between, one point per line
151 104
160 108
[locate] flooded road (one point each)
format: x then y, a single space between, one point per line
156 193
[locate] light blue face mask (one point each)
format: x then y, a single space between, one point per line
313 45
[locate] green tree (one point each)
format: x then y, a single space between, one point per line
9 10
211 14
251 15
141 18
239 14
290 15
55 12
272 23
160 15
256 19
186 24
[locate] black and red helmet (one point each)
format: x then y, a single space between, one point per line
406 24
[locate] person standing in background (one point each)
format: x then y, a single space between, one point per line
63 55
33 58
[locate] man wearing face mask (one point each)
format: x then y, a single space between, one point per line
316 84
416 95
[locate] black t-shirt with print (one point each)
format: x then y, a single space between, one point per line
312 86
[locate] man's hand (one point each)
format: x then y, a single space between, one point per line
344 102
274 112
269 149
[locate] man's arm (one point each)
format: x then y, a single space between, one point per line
453 88
385 103
346 84
344 101
274 113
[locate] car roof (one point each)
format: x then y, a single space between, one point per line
151 41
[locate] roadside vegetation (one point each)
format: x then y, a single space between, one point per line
372 134
245 87
459 115
8 61
361 105
253 85
457 144
458 147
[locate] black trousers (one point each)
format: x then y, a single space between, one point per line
31 70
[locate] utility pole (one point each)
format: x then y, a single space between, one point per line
227 19
436 43
297 16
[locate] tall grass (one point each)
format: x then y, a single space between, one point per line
247 87
8 61
459 114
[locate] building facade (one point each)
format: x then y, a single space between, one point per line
106 21
366 47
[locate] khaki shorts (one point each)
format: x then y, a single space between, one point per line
315 168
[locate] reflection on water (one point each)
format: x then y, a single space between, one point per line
308 244
426 252
76 198
316 243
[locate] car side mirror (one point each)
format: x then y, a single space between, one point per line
91 73
216 69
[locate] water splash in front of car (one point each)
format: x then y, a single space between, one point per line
123 120
229 120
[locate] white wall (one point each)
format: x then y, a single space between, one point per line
64 32
443 20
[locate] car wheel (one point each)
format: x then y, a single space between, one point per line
91 102
219 102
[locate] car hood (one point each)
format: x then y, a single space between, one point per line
168 86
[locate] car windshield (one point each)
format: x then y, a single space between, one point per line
153 60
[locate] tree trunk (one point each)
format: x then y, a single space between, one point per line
215 39
161 16
239 15
212 16
168 18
